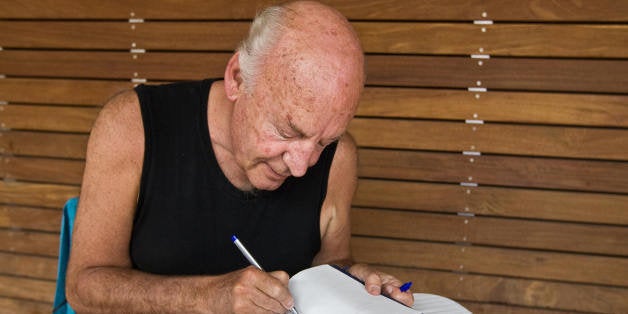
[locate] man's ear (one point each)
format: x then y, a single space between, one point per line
233 79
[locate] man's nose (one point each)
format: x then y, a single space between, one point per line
300 156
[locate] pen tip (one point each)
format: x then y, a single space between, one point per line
233 238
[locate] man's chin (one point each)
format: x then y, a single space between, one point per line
266 184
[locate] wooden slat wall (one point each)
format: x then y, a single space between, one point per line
510 199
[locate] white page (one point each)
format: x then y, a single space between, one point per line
326 290
435 304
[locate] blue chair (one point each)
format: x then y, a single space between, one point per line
61 305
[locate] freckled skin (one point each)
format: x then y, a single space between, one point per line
308 81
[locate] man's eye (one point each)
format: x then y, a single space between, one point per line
284 134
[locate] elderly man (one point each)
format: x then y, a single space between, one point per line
174 170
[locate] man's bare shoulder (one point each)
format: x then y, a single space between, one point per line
119 127
347 148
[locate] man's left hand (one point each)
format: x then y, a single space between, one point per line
377 282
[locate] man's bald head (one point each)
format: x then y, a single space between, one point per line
300 31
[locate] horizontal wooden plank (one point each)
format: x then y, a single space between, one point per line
493 201
499 73
37 267
29 242
530 74
573 75
62 145
49 118
21 217
42 169
12 306
28 289
537 108
59 91
569 10
36 194
113 65
571 40
219 36
603 176
513 291
568 237
600 176
579 40
532 140
474 259
554 40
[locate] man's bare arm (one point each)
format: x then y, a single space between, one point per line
336 225
100 277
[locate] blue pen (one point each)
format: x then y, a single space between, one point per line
252 260
406 286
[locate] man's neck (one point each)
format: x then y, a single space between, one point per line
219 109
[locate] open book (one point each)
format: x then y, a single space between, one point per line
325 289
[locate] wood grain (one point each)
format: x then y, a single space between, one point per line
49 118
30 242
36 194
36 267
12 306
551 141
501 232
377 37
61 145
528 74
493 201
60 91
495 106
515 291
34 218
43 170
510 10
27 289
475 259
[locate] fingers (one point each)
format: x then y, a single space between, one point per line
373 283
260 292
371 278
393 291
377 282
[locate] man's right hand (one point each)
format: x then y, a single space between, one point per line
251 290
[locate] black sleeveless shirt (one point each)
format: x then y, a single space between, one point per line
187 210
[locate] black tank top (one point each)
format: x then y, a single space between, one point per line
187 210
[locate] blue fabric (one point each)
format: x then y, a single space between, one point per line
61 305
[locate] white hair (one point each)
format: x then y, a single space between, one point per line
263 34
